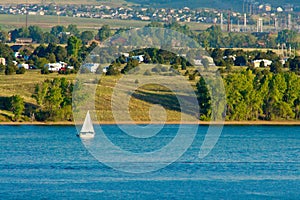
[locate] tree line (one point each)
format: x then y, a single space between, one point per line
255 96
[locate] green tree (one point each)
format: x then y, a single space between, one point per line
86 36
54 98
276 67
72 28
58 30
204 99
74 45
10 69
3 36
36 33
17 106
60 53
104 32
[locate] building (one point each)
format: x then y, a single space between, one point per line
91 66
24 40
26 66
55 67
265 62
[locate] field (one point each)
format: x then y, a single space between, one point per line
9 22
140 103
46 22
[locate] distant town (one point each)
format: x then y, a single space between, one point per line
256 17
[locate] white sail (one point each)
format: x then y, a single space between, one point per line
87 130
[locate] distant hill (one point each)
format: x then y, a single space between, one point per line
220 4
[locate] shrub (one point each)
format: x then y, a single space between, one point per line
21 70
9 70
147 73
45 70
2 68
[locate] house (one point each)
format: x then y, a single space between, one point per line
197 62
26 66
91 66
2 61
24 40
55 67
266 62
19 48
139 58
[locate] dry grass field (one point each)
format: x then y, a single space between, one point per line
142 100
46 22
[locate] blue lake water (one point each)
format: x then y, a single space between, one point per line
248 162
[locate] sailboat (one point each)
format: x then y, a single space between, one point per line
87 130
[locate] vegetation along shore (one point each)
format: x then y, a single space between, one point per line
36 81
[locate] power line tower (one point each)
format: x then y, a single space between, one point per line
260 25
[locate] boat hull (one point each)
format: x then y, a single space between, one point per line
86 135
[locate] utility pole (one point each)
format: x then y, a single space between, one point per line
228 22
221 21
245 22
58 14
26 14
289 25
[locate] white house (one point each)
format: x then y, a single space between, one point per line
197 62
139 58
91 66
266 62
26 66
54 67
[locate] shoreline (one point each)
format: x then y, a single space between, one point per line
246 123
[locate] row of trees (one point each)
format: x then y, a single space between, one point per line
253 96
57 34
214 37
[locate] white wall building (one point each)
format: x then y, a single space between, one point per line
266 62
26 66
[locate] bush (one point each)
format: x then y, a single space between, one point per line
2 68
9 70
21 70
156 69
192 77
45 70
164 69
147 73
112 71
84 70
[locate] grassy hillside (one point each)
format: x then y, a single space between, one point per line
141 101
